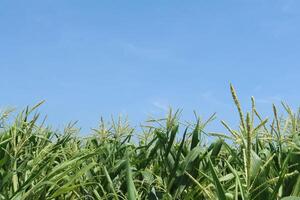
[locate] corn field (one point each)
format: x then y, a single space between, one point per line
165 159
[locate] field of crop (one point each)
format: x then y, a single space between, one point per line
165 160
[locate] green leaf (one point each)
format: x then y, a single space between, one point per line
131 190
219 187
291 198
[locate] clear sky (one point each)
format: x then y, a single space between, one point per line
96 58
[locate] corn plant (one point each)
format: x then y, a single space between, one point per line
163 159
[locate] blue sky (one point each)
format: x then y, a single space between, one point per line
99 58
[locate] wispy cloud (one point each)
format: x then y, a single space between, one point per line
286 5
161 105
269 99
146 51
157 107
210 97
258 88
286 20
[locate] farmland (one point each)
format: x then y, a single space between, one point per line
167 159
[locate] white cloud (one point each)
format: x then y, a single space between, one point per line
161 105
287 5
210 97
145 51
269 100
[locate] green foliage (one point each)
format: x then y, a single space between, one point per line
167 160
